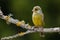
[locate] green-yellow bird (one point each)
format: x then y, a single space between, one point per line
38 18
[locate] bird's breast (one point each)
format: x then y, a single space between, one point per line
37 19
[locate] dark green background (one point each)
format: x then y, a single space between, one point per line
22 10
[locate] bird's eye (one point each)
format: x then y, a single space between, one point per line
36 9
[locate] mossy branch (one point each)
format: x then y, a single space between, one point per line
30 29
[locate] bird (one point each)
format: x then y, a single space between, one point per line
38 19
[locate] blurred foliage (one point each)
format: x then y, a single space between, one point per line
22 10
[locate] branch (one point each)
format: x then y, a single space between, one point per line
30 29
57 29
17 35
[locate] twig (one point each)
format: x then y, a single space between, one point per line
17 35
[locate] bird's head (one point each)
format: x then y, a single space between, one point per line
36 8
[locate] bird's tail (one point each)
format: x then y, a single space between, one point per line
42 33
